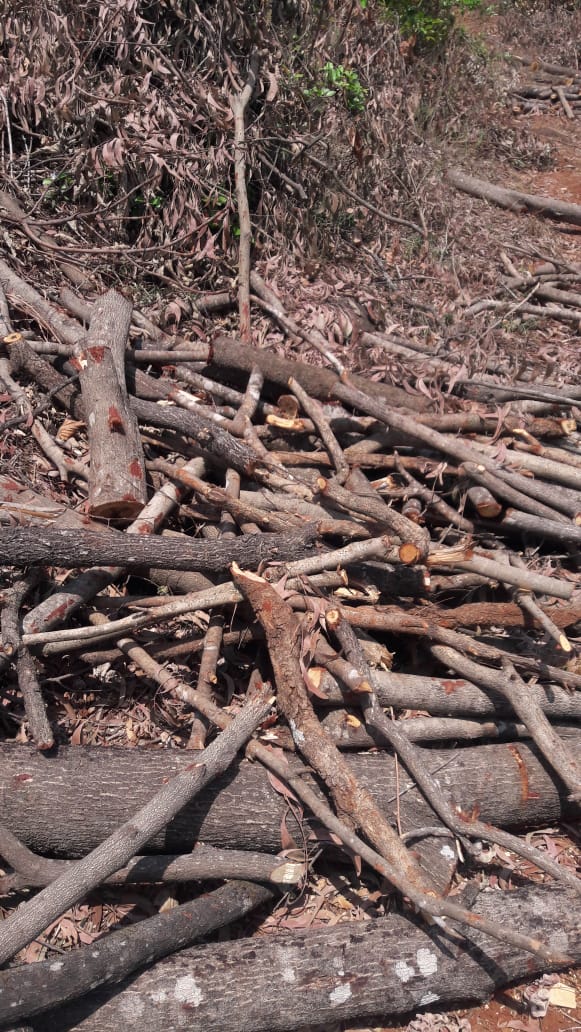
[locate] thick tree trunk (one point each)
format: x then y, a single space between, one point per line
352 972
33 915
66 804
32 988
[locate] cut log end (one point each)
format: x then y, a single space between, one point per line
409 553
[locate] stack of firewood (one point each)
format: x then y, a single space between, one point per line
339 524
548 86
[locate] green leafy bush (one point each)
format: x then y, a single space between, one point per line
429 21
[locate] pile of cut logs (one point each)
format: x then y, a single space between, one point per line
339 525
549 86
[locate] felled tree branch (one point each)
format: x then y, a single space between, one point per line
12 644
452 817
32 917
239 103
525 706
204 863
117 488
44 799
515 200
353 972
22 546
34 988
353 803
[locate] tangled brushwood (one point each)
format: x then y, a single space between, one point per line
117 117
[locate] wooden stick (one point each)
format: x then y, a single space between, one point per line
395 735
32 989
525 706
28 683
204 863
22 546
521 577
239 104
353 803
484 502
318 382
527 602
314 409
514 200
564 102
271 303
32 917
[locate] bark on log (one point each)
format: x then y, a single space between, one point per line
514 200
348 973
447 696
33 988
229 353
65 804
347 734
116 850
515 522
117 488
204 863
215 443
23 546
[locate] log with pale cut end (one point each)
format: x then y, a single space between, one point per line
117 488
444 696
484 502
349 732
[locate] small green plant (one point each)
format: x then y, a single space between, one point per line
58 185
214 206
345 81
140 202
413 246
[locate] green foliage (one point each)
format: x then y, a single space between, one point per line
340 80
57 185
430 21
140 202
347 82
